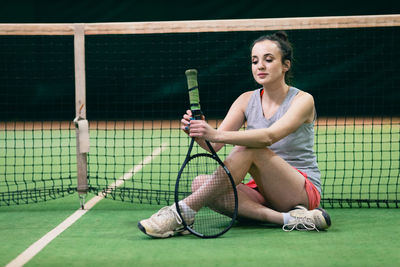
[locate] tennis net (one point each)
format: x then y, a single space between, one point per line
134 95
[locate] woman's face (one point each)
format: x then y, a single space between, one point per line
267 67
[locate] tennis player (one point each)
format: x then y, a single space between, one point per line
276 149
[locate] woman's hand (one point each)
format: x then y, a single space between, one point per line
185 122
201 129
197 128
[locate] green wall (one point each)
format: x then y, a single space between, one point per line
350 72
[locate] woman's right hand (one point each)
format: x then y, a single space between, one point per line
185 122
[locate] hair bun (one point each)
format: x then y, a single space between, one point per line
282 35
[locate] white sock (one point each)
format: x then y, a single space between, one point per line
286 217
189 213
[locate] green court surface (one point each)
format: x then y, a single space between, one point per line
107 235
357 163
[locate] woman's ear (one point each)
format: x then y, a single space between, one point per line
286 65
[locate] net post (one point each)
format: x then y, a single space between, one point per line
82 134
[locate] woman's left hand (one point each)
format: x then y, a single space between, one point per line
201 129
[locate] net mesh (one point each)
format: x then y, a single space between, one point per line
37 148
136 95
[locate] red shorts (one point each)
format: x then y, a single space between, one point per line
314 197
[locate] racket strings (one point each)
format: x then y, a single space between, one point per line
205 179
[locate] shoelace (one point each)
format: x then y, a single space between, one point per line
164 212
300 224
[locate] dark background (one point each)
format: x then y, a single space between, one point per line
350 72
46 11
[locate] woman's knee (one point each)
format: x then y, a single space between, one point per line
252 154
198 182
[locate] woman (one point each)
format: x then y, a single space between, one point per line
276 149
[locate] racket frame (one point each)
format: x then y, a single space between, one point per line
197 115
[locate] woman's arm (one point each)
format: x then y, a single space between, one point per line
301 111
233 121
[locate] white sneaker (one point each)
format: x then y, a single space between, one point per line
307 220
165 223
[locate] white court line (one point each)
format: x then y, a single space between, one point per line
36 247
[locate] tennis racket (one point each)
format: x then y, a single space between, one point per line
203 178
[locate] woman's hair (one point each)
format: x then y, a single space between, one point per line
281 38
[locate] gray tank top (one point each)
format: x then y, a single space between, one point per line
297 147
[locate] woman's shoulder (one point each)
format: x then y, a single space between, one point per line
305 101
247 95
240 104
304 96
244 98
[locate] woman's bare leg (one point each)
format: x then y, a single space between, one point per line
281 187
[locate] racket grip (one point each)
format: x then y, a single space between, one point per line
193 89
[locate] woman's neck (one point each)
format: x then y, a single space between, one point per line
275 94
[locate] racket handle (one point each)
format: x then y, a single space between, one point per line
193 89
